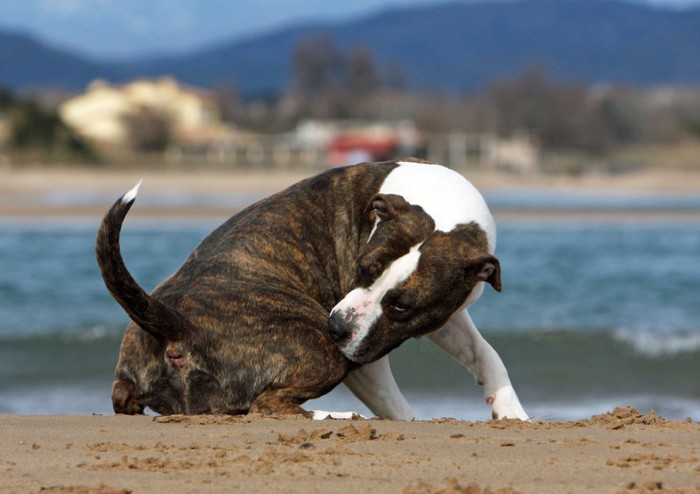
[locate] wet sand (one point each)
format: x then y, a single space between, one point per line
32 192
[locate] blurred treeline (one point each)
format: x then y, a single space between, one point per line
34 129
562 116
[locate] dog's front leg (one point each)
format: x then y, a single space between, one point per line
375 386
460 338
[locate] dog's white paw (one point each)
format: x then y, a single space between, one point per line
323 415
505 404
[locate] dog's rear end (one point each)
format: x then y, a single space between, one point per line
155 326
193 345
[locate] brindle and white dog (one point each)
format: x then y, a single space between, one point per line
309 288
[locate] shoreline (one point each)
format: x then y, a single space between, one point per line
620 451
217 194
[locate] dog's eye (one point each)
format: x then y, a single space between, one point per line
398 308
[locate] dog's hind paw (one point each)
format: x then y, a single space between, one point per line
126 398
506 405
323 415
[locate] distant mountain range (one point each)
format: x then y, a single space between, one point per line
453 47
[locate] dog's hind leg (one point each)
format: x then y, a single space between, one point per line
278 402
460 338
375 386
126 398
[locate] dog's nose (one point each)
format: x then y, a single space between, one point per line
337 328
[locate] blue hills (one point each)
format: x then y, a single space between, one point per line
446 47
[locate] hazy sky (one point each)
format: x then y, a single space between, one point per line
122 28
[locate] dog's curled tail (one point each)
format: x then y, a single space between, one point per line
153 316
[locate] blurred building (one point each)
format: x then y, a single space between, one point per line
4 129
347 142
102 112
519 153
318 144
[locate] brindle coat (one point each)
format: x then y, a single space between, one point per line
243 324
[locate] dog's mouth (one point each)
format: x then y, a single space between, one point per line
365 355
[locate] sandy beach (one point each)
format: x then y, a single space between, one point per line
621 451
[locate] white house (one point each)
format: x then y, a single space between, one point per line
100 112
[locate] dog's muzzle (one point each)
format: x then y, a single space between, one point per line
337 328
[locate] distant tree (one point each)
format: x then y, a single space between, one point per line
450 113
561 115
622 114
229 102
393 77
33 127
149 130
331 84
692 126
317 65
362 79
7 100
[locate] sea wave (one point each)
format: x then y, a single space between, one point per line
90 333
655 344
619 351
563 373
58 357
645 343
563 365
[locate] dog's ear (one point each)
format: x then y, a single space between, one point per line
387 206
485 268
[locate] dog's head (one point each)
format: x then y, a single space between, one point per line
410 279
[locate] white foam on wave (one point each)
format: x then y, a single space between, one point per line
659 344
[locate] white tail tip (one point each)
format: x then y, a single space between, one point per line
131 195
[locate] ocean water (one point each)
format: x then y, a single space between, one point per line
592 315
